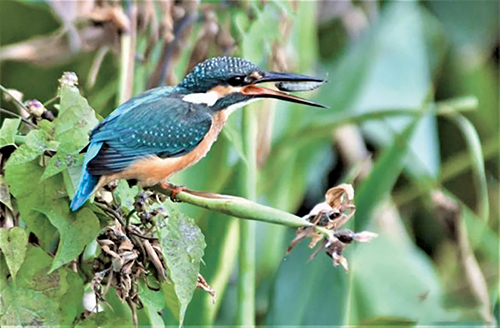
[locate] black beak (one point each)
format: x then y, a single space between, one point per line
286 82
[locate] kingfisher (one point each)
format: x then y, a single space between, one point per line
165 130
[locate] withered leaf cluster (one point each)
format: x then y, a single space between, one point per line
331 215
131 252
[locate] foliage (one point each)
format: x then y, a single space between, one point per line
414 119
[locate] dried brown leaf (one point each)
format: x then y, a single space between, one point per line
202 283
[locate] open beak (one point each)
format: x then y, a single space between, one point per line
285 82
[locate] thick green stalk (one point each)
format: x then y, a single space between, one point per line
238 207
246 277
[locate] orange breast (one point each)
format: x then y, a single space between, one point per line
153 169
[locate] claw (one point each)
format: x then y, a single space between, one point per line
174 190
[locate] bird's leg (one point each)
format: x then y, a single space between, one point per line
174 190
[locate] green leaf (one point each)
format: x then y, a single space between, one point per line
8 131
63 285
476 154
76 119
77 229
35 275
153 302
60 162
172 301
13 244
233 134
125 194
182 244
402 285
222 240
37 141
4 193
23 183
307 292
26 307
255 47
71 304
382 178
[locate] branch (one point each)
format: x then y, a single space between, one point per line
238 207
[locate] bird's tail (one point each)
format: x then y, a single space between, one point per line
84 191
87 181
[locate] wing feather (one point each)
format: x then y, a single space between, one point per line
161 126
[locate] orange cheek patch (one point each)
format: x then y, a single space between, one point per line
223 91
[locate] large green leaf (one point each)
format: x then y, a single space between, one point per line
26 307
60 293
392 278
76 119
77 229
153 302
8 131
23 178
382 178
182 244
307 293
125 195
5 193
37 141
13 243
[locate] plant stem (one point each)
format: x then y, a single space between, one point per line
18 116
237 207
246 280
455 166
126 74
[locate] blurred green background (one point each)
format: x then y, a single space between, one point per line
425 175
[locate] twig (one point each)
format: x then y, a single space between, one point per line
142 237
473 273
8 112
238 207
50 101
20 104
110 212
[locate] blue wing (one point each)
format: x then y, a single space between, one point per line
153 123
164 126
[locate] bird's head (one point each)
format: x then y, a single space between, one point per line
229 82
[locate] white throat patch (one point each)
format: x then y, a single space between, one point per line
208 98
234 107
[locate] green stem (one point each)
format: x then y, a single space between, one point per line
246 275
126 74
237 207
19 139
455 166
50 101
476 155
18 116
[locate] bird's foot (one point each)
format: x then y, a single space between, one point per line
174 190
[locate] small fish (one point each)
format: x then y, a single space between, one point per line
299 86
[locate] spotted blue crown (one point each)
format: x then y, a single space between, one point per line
215 71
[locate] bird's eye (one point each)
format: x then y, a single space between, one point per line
236 81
